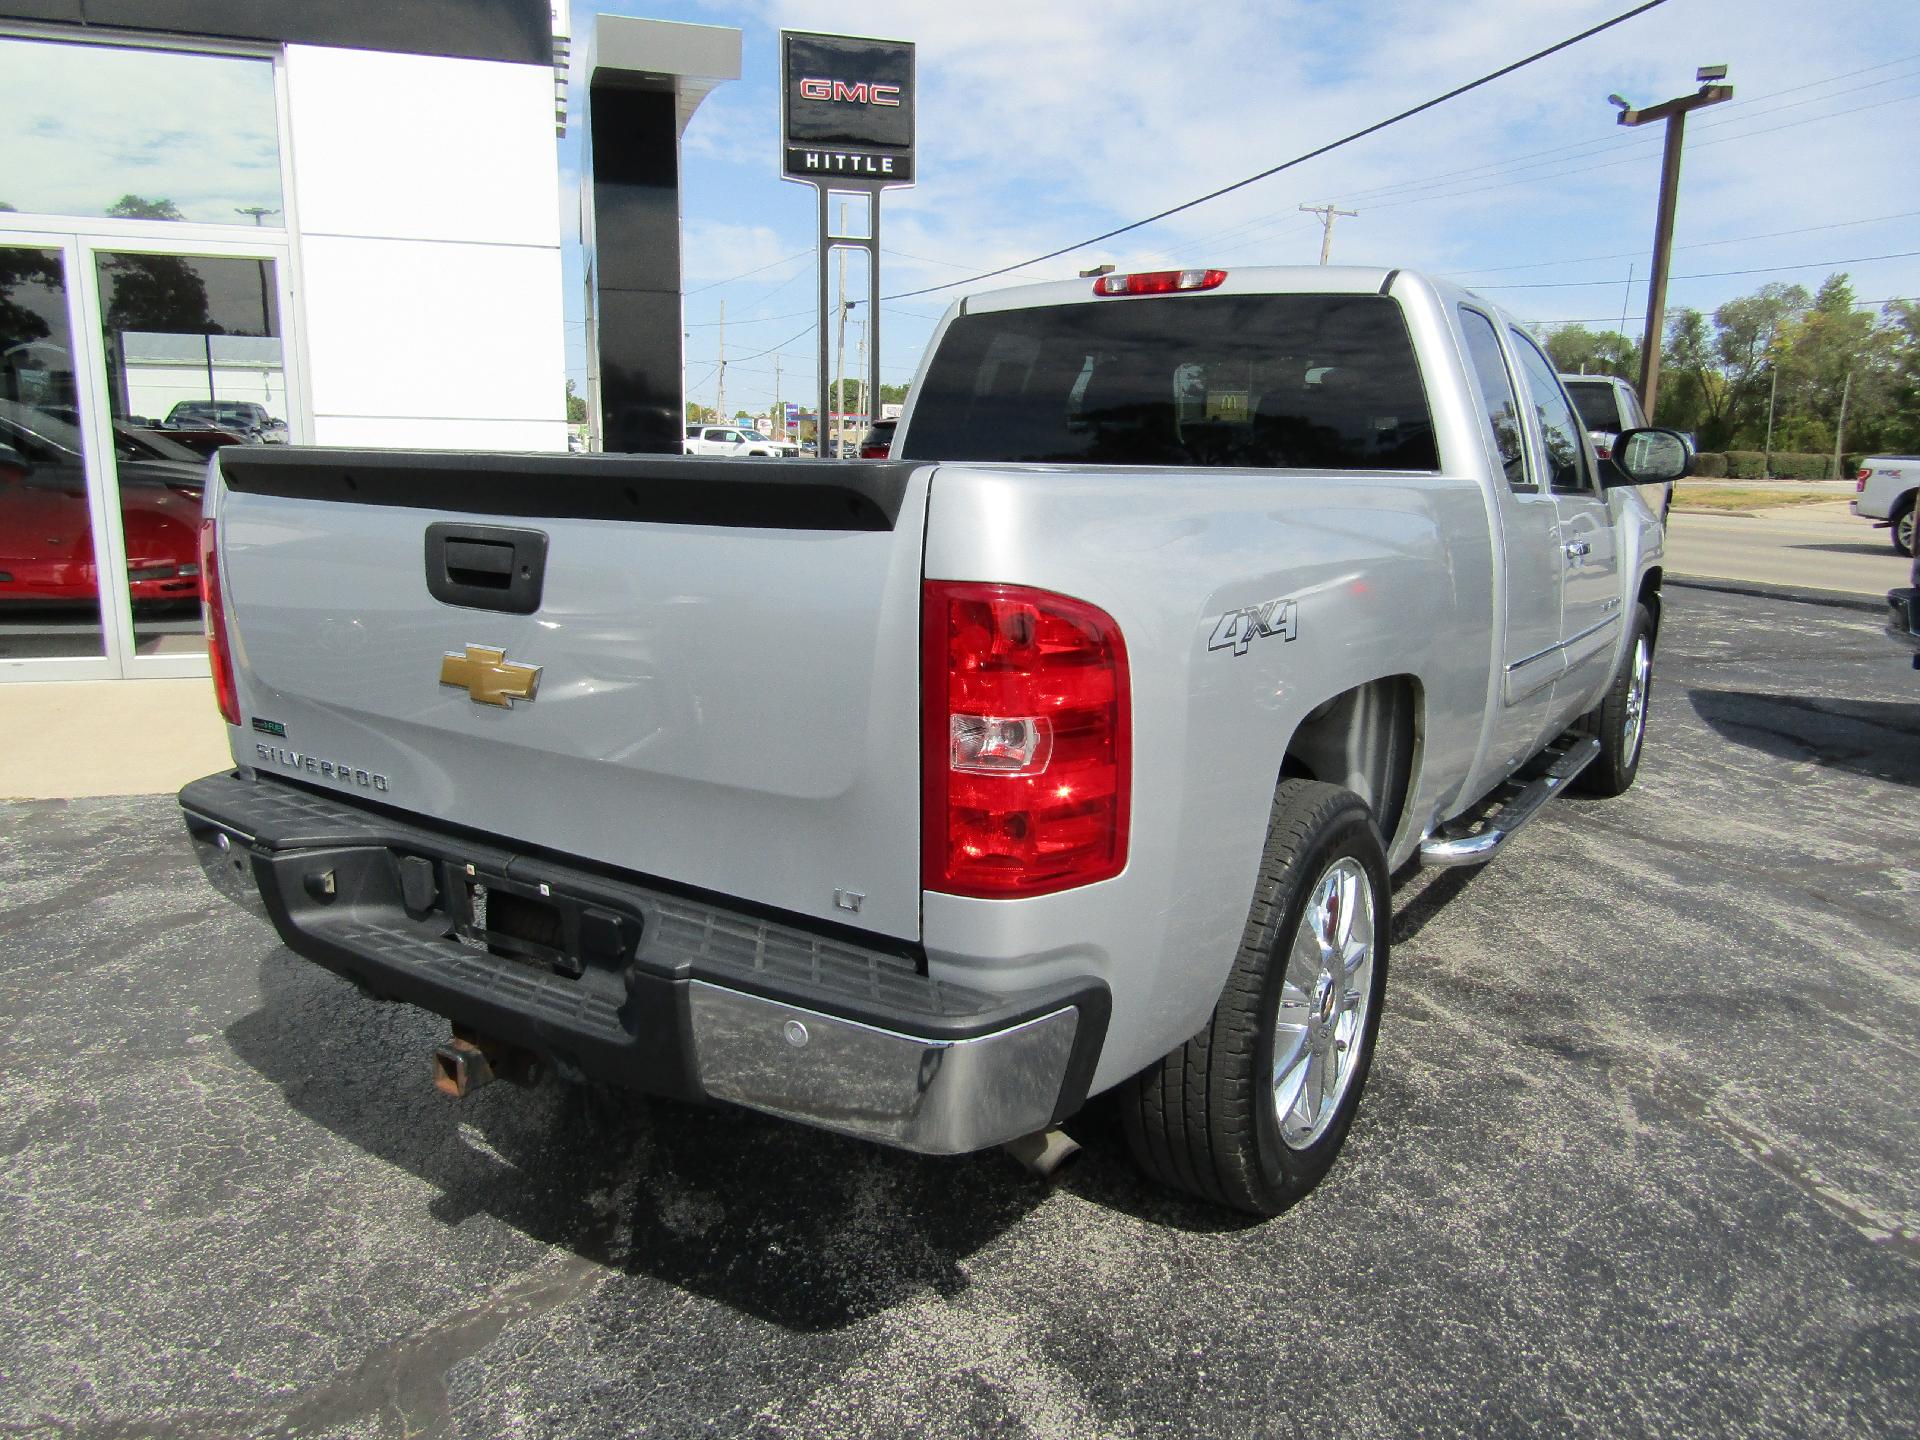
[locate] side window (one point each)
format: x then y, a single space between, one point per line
1496 389
1636 417
1560 427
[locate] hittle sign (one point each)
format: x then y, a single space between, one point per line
846 109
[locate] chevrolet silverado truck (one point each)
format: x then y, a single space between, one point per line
1068 751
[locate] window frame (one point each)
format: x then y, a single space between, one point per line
1529 461
1589 480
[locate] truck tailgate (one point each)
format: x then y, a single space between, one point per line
728 689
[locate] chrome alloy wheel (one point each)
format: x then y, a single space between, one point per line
1637 686
1324 997
1903 528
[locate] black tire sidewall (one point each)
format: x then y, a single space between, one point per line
1348 831
1613 770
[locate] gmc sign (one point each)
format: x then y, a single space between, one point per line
846 109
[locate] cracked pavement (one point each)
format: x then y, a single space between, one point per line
1640 1156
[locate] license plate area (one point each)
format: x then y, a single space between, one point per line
533 924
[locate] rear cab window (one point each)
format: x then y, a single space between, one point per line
1312 382
1561 432
1598 404
1497 395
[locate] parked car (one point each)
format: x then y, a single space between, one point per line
736 440
46 534
1069 751
877 443
1885 492
1608 405
242 417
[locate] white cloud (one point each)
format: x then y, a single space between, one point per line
1042 124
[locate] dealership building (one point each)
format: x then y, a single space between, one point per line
331 224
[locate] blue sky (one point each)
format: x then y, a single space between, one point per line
1042 123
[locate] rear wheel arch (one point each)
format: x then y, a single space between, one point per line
1365 739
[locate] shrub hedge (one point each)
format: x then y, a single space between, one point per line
1787 465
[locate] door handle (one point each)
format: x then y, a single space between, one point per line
1576 548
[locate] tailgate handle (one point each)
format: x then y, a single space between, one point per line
486 567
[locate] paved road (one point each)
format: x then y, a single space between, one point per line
1817 546
1641 1157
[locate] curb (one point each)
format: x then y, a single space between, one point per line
1836 599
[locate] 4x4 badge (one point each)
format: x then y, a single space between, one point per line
1237 628
488 677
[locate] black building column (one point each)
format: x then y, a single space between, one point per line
645 79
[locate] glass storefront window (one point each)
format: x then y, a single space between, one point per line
131 134
49 587
193 363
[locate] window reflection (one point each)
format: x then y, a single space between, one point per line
193 363
101 130
49 591
1503 409
1559 427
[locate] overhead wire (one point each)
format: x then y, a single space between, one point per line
1332 145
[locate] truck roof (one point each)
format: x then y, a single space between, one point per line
1243 280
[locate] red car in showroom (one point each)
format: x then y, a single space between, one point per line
46 540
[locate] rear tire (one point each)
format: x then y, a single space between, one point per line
1251 1112
1620 720
1901 531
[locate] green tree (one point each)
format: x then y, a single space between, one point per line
1693 392
1832 350
576 405
138 207
1576 350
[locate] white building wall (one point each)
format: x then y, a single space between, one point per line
426 201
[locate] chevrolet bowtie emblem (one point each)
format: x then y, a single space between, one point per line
488 677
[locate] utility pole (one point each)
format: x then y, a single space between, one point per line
1840 429
863 402
1674 112
1328 214
720 400
1773 393
839 359
778 417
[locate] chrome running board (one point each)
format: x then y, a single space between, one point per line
1501 826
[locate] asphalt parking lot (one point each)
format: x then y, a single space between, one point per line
1641 1156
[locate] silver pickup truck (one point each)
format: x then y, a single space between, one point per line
1069 751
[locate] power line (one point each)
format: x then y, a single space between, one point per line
749 274
1703 274
1314 154
1693 245
1615 319
1375 197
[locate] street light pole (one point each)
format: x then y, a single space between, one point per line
1674 112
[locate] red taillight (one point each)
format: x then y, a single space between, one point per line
1860 480
1158 282
213 605
873 452
1026 721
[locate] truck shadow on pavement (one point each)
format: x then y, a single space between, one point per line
1850 547
807 1230
1879 739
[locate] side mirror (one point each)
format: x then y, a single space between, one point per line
1648 457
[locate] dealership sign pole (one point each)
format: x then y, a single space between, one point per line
846 125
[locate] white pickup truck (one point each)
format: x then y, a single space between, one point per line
1887 492
736 440
1070 751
